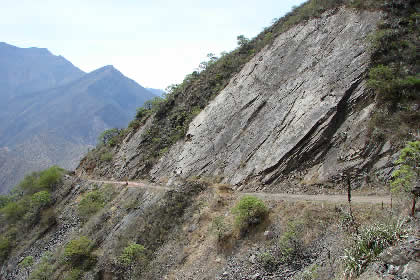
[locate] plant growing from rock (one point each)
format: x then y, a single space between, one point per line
91 203
45 269
132 254
408 173
78 252
268 261
26 263
74 274
369 243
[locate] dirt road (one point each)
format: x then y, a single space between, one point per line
268 196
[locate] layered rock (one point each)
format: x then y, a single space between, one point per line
291 108
296 115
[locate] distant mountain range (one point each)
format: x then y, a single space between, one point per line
51 112
158 92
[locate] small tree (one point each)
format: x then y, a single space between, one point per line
406 178
242 40
107 136
14 211
40 199
4 199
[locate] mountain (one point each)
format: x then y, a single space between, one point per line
53 112
274 162
27 70
80 109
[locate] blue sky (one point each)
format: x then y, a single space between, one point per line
154 42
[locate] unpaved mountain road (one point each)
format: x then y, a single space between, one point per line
321 197
268 196
132 184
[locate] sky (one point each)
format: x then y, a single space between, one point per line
154 42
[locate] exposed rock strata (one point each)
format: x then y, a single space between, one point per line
295 116
291 107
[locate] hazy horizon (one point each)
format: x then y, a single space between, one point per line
154 43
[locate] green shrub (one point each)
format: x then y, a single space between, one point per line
78 251
131 254
28 184
37 202
47 179
290 242
108 137
50 178
26 262
5 246
106 156
310 273
369 243
45 269
15 210
390 86
41 199
91 203
249 211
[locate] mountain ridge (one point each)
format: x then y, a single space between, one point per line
72 110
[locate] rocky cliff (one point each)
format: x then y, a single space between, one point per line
296 115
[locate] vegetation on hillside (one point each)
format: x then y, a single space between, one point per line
369 243
29 204
408 173
394 73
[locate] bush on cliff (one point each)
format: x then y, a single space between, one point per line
249 211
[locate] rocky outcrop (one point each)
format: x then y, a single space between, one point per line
291 110
398 262
295 118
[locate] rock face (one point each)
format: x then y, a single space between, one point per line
291 108
295 116
285 108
